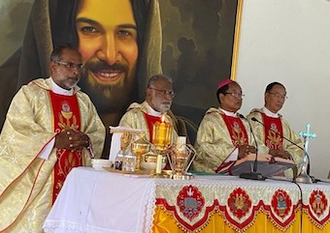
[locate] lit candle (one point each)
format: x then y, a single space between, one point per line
162 132
159 164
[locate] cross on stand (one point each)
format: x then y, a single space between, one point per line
304 177
307 135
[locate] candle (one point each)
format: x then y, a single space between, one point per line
159 164
159 132
180 141
162 133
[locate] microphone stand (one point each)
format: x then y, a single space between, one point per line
253 175
303 176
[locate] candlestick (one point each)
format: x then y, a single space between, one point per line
162 133
159 164
180 141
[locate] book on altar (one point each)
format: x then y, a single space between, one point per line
266 165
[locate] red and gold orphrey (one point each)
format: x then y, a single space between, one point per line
236 130
66 116
273 140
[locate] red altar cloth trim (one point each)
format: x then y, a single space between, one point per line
244 225
233 223
275 219
320 223
318 210
282 210
185 226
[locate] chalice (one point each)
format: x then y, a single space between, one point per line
139 148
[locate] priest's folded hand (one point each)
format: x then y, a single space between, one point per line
71 140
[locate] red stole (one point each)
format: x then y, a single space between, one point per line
236 130
273 140
66 115
151 120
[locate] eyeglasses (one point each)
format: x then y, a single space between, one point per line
237 95
70 65
279 96
164 92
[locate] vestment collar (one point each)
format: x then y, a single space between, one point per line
227 113
269 113
59 90
150 110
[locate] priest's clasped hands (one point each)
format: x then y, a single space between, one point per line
244 150
71 139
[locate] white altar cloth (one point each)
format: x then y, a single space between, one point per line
107 202
123 210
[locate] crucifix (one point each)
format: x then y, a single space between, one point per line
304 177
307 135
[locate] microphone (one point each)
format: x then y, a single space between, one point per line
253 175
303 177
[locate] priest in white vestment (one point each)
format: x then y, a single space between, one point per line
51 127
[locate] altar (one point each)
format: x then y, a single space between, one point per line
102 201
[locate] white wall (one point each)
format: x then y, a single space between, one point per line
289 41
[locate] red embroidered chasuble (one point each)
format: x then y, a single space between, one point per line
273 140
236 130
238 136
151 120
66 115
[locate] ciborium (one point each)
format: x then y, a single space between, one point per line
139 148
180 160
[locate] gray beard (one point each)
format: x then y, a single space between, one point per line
164 107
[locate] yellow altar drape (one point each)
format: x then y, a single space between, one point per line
164 222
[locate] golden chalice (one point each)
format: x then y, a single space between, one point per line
139 148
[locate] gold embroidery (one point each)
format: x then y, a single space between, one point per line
238 135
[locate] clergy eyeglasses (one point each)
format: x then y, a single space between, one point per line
70 65
164 92
235 94
279 96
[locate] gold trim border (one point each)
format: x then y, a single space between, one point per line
236 39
